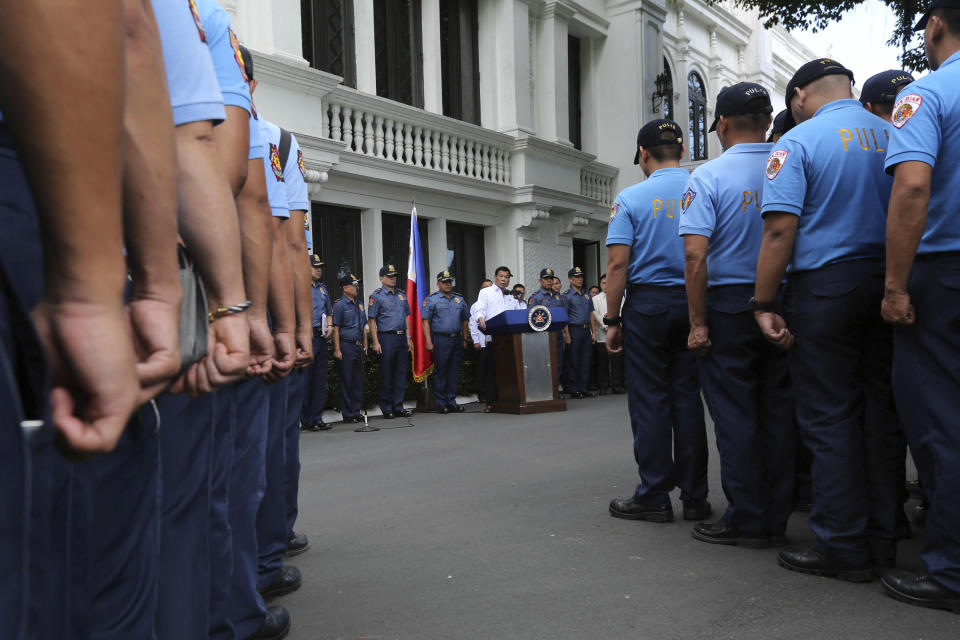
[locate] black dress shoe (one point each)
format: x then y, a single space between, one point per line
275 626
720 533
403 413
919 589
576 394
619 390
388 415
443 410
809 560
287 581
588 394
455 408
698 509
297 544
324 426
630 509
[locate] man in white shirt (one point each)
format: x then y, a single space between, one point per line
480 341
609 365
496 299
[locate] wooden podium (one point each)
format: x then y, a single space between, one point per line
525 359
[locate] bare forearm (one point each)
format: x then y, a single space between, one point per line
208 215
695 275
280 297
776 248
426 330
253 211
336 338
616 281
300 267
73 164
372 324
905 223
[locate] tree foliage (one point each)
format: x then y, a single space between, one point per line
816 15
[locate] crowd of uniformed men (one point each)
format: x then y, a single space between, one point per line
807 285
809 280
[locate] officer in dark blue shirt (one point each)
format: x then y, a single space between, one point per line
349 347
832 162
389 318
315 376
445 316
580 335
547 297
922 298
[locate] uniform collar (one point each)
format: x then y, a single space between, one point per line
667 172
389 290
953 58
750 147
838 104
317 283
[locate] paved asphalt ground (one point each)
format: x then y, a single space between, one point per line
495 527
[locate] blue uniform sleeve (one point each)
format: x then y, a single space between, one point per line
428 309
620 230
256 144
917 133
327 304
406 307
276 192
294 177
338 315
698 211
785 186
374 306
464 311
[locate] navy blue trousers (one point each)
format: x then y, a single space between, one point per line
926 375
578 359
315 383
126 532
663 396
841 367
221 537
746 382
351 379
244 609
393 371
291 444
447 355
183 607
272 515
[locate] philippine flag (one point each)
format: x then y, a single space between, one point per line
417 292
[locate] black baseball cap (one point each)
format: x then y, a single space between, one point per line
814 70
348 280
546 272
742 98
780 123
389 270
936 4
884 87
656 133
576 271
444 276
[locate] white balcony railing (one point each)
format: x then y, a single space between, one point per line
596 181
391 131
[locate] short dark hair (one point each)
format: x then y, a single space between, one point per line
666 152
486 280
952 19
752 122
602 276
519 286
499 269
247 58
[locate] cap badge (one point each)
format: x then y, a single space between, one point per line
906 108
775 163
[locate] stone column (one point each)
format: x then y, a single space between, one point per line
432 80
551 90
366 58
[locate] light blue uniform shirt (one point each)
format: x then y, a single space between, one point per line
577 305
350 317
256 144
225 51
445 313
389 309
191 80
276 190
926 121
644 217
321 302
295 177
829 172
722 202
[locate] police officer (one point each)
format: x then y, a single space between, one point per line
580 335
880 92
745 379
349 347
548 297
315 383
833 160
445 317
663 390
388 315
922 299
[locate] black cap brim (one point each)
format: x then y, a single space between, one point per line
713 127
922 22
636 158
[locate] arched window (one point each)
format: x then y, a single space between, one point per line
697 104
668 89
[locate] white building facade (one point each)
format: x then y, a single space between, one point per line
511 123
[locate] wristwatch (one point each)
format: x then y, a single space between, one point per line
756 305
612 322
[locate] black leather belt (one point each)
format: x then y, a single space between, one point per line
454 334
579 326
657 287
399 333
356 342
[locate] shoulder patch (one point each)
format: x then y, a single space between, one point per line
275 163
905 108
400 295
197 20
614 210
687 199
371 301
303 170
775 162
237 56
